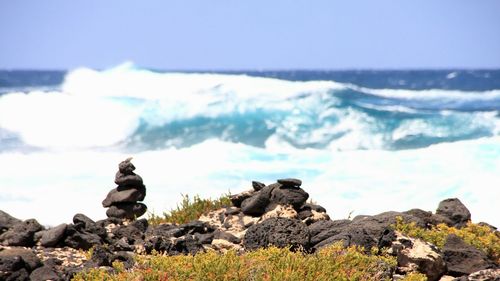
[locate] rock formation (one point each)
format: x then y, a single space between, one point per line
275 214
123 200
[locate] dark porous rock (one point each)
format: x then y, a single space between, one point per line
51 237
122 244
313 207
256 205
83 223
7 221
286 196
126 258
219 234
78 239
290 182
280 232
164 230
127 210
141 224
30 259
206 238
45 273
304 214
158 243
322 230
425 216
349 236
21 234
130 232
128 180
237 199
101 256
462 258
376 225
130 195
187 244
195 227
454 210
257 185
386 239
13 268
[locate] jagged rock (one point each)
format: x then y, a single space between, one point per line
12 268
80 239
164 230
130 195
462 258
323 230
130 232
53 236
7 221
289 196
237 199
126 167
290 182
31 261
349 236
256 205
127 210
21 234
454 210
280 232
415 255
45 273
257 185
195 227
218 234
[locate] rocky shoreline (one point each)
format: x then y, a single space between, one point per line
277 214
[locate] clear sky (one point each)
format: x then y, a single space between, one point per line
253 34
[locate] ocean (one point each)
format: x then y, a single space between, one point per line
362 142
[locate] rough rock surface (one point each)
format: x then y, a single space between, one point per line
455 211
462 258
280 232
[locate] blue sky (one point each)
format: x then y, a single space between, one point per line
256 34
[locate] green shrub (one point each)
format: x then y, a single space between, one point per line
331 263
481 237
190 209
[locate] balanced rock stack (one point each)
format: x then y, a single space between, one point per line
123 200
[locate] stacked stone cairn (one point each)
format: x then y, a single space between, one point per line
122 201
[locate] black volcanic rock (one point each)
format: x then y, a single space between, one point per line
455 211
127 210
289 196
130 195
280 232
290 182
462 258
53 236
7 221
21 234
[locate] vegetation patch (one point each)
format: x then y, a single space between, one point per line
479 236
190 209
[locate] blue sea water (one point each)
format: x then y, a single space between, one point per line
362 141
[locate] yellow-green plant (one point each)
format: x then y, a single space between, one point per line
331 263
481 237
190 209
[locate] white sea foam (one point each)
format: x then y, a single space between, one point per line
54 186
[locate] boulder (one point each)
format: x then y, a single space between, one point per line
21 234
325 229
289 196
455 211
80 239
45 273
51 237
7 221
130 195
31 261
127 210
12 268
280 232
128 179
237 199
462 258
256 205
349 236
